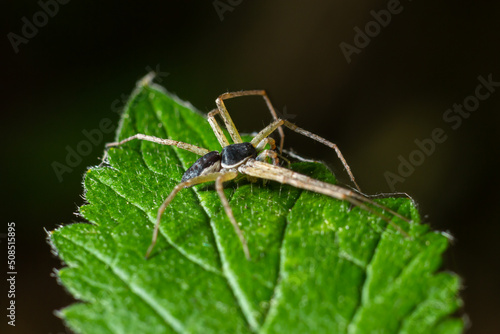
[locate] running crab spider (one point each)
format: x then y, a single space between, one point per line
251 159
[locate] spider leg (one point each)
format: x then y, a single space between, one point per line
216 128
231 128
394 194
279 122
268 154
162 141
267 140
223 177
177 188
279 174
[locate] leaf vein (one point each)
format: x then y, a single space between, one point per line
364 287
135 289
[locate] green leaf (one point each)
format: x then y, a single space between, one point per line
317 265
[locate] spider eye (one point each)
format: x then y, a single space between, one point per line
236 154
209 163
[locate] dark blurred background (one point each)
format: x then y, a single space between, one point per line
82 63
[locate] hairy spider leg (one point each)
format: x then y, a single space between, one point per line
275 173
277 123
162 141
264 142
360 197
221 137
219 178
227 176
268 154
231 128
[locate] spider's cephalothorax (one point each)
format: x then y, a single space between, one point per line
250 159
234 155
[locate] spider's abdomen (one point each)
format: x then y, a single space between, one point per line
209 163
236 154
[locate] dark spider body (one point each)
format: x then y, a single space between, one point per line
209 163
231 156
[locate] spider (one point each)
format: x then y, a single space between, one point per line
253 160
